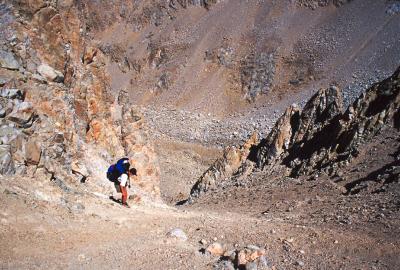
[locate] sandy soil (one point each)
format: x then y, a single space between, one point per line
302 223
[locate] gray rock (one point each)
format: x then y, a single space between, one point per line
393 9
39 78
22 114
224 265
3 81
251 266
77 207
12 93
178 234
60 183
6 162
8 134
8 61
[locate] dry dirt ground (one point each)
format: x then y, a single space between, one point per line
305 223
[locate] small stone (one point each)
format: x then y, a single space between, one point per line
300 263
215 249
224 265
336 242
251 266
203 242
78 207
178 234
81 257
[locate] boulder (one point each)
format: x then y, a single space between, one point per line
50 73
8 61
12 93
80 168
32 152
6 162
23 114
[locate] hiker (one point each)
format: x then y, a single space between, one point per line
123 183
120 174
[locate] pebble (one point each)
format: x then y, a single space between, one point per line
178 234
215 249
203 242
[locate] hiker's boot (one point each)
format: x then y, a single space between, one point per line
126 205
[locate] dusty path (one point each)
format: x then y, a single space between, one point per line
37 235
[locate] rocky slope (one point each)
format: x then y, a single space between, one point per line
320 138
243 55
170 84
60 120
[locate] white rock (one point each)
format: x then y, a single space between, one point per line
50 73
178 233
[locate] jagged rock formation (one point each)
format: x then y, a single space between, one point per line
337 140
224 168
60 120
280 138
318 138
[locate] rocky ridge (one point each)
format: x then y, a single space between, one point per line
319 138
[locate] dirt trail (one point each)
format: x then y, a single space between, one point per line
41 235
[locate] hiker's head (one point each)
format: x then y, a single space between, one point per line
132 171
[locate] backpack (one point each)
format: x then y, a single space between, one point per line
115 170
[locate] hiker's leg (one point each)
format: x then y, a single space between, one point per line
116 192
124 194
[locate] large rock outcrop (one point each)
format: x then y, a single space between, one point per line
321 137
61 121
224 168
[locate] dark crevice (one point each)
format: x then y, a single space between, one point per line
324 138
374 177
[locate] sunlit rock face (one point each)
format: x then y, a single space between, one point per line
66 123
